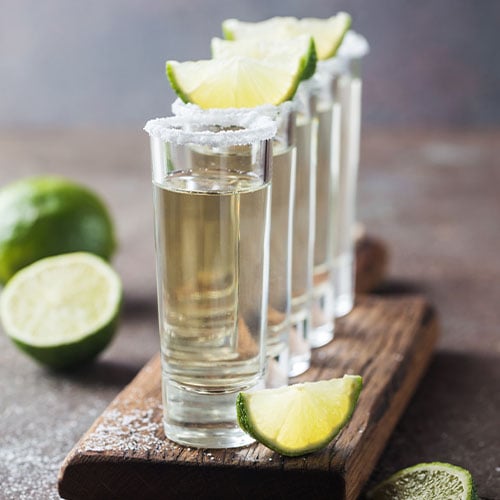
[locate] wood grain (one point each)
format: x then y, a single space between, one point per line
125 454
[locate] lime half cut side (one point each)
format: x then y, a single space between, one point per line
436 480
62 310
300 418
301 46
235 82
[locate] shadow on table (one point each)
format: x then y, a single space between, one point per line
139 307
453 417
101 373
396 286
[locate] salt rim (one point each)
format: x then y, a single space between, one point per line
254 127
353 46
181 108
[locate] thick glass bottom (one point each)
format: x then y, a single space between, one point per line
202 419
344 279
300 350
323 314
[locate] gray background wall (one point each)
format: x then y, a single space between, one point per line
83 62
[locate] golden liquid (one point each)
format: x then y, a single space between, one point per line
303 219
212 274
280 244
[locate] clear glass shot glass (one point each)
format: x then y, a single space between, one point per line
282 204
212 190
303 232
323 85
280 266
351 52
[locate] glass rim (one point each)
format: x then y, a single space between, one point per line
181 108
251 127
354 46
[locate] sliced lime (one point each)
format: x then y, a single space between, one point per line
301 46
436 480
300 418
62 310
236 82
274 28
327 33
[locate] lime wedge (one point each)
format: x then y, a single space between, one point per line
301 46
327 33
236 82
275 28
300 418
62 310
436 480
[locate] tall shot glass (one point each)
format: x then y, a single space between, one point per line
282 228
323 86
303 233
211 186
280 264
353 49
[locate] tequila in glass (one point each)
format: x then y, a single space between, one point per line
303 236
352 50
327 110
211 200
283 195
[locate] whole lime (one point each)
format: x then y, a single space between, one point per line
45 216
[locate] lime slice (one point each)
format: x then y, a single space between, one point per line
436 480
300 418
62 310
45 216
236 82
275 28
300 46
327 33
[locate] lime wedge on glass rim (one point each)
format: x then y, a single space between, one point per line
302 45
436 480
299 418
62 310
236 82
327 33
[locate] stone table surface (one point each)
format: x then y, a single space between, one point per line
433 196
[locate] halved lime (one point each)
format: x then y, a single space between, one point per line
236 82
62 310
300 46
327 33
436 480
44 216
300 418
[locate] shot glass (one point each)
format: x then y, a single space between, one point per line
211 190
280 267
323 86
282 207
303 233
351 52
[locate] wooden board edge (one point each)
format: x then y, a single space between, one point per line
423 349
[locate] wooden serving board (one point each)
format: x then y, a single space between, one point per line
388 341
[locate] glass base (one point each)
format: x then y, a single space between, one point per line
278 361
344 279
202 419
300 350
323 312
